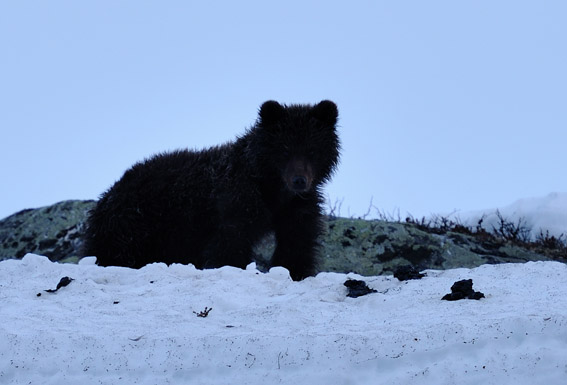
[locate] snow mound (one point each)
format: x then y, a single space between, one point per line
118 325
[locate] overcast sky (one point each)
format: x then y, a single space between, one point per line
443 105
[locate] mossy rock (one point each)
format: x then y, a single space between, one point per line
378 247
54 231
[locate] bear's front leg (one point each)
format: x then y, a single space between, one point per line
296 242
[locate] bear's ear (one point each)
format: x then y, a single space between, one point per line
326 111
271 112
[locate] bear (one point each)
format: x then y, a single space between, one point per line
210 207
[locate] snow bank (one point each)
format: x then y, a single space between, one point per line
117 325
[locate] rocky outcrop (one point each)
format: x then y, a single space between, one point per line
54 231
350 245
378 247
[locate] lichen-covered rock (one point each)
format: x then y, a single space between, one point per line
54 231
350 245
378 247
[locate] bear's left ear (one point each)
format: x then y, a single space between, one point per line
271 112
326 111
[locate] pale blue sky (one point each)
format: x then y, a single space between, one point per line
443 104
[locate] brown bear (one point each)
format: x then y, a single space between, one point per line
211 207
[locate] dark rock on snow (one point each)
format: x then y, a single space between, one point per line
405 273
357 288
463 290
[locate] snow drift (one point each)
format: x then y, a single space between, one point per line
118 325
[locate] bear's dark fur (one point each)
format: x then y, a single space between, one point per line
210 207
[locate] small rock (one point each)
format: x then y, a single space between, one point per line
463 289
405 273
357 288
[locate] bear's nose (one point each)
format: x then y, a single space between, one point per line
299 183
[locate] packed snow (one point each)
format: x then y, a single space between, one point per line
179 325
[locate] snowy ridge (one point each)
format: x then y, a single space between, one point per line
547 213
116 324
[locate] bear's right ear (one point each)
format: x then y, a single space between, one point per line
271 112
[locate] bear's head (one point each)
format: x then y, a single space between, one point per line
297 144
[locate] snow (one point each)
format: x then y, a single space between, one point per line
547 213
118 325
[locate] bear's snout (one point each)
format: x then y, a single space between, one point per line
298 175
299 182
